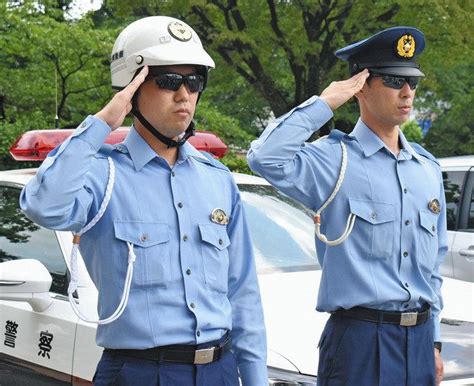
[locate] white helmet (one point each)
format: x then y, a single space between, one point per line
155 41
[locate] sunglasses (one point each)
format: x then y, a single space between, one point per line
397 82
171 81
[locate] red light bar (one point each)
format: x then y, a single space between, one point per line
35 145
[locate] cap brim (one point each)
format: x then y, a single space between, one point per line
402 71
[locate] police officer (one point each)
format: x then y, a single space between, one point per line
194 314
380 217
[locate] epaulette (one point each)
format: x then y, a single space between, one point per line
421 151
209 159
336 136
105 150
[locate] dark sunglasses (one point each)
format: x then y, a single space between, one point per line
397 82
171 81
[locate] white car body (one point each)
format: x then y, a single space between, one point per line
288 293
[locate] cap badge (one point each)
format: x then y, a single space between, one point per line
219 216
406 46
180 31
434 206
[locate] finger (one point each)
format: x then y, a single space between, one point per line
136 82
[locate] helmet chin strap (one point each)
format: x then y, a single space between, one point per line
167 141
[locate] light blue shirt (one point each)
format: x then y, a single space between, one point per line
193 280
391 259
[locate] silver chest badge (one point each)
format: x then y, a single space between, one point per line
219 216
434 206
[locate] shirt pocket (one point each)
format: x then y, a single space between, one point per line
215 255
373 233
151 241
427 250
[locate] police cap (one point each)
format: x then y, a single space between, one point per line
391 51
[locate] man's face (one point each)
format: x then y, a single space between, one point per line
170 112
385 106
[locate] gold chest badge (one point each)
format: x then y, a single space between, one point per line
434 206
406 46
218 216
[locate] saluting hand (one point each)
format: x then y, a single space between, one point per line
338 93
120 105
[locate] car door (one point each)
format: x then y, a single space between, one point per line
463 238
36 347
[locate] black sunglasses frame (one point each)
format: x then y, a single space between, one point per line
172 81
397 81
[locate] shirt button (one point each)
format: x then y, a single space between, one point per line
83 124
180 204
221 242
185 238
406 285
407 222
198 333
405 305
373 215
173 174
433 228
405 254
144 238
188 272
193 305
405 190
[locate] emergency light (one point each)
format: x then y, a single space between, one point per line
34 145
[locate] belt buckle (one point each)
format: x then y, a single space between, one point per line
408 319
204 356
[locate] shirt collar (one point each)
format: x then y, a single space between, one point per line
368 140
407 150
141 153
371 143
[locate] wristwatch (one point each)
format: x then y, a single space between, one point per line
438 346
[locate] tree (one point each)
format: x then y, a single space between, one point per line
412 131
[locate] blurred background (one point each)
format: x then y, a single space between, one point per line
270 56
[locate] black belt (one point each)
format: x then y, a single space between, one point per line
192 354
406 319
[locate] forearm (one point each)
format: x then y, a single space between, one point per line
58 197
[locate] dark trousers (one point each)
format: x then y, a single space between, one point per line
359 353
120 370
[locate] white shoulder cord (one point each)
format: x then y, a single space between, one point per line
350 219
75 246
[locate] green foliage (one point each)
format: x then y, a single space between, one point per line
236 162
412 131
209 118
52 65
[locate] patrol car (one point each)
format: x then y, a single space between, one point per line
44 343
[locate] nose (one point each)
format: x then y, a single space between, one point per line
182 94
406 91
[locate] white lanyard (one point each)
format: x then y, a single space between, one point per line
350 220
75 246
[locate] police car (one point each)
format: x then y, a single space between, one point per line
44 343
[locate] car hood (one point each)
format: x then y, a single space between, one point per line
294 326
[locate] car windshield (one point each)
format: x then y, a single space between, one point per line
281 230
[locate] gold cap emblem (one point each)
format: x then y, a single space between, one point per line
406 46
219 216
180 31
434 206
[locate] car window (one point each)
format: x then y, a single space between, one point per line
453 184
282 230
470 219
21 238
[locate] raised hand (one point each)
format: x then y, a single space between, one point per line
338 93
120 105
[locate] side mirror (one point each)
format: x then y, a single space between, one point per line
26 280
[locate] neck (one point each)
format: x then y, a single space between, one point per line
170 154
